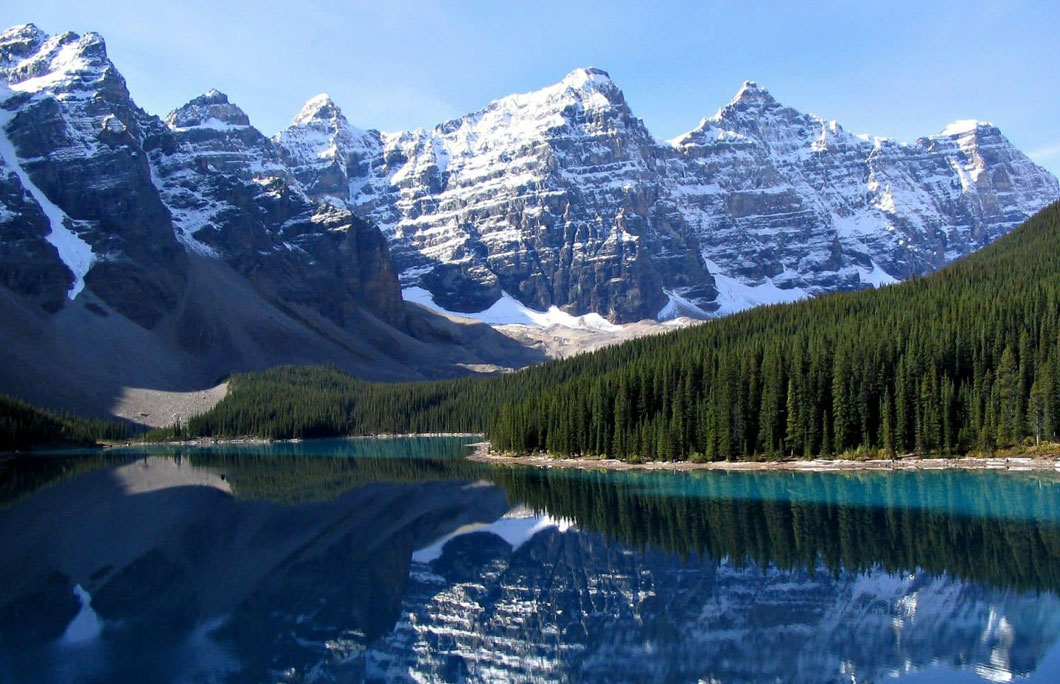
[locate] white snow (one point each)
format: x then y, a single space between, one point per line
678 306
962 126
515 527
735 295
63 64
86 625
113 124
509 311
311 108
877 277
74 252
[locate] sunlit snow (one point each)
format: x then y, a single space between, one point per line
509 311
74 252
735 295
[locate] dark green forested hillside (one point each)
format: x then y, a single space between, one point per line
963 360
23 427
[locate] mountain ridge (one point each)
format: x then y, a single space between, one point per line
137 253
555 200
775 203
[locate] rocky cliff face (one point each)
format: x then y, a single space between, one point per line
72 146
102 197
163 254
233 198
562 197
559 197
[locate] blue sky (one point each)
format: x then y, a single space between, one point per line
888 68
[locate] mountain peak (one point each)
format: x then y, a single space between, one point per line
965 126
211 96
31 60
583 77
318 108
27 35
211 106
752 94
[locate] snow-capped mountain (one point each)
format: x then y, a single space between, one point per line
165 252
561 197
142 252
232 196
127 196
75 176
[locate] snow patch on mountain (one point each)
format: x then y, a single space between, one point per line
58 62
735 295
509 311
677 307
86 625
73 250
962 126
876 276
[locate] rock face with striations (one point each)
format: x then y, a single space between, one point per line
97 195
555 197
233 197
72 146
562 197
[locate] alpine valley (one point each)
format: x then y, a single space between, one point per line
531 395
162 254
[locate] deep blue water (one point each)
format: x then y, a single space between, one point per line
397 560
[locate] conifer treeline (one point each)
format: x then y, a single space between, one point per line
23 426
965 359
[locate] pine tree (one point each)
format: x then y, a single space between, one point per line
793 431
887 424
1007 402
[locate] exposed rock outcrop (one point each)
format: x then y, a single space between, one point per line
562 197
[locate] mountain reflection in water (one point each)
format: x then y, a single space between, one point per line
382 560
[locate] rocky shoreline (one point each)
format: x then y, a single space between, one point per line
1049 463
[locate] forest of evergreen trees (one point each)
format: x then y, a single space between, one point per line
23 426
966 359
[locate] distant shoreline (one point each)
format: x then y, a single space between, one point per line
481 454
224 441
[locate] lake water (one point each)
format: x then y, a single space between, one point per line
397 560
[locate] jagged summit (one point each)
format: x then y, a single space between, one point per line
31 61
751 98
751 91
210 107
588 76
561 197
21 40
965 126
318 108
589 87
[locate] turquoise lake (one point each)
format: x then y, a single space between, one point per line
381 560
